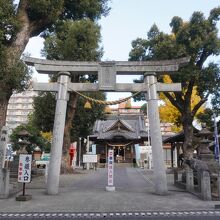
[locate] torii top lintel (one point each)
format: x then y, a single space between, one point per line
107 72
117 67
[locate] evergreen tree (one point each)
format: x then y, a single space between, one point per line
198 39
78 41
29 18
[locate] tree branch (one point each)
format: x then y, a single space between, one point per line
173 101
189 91
196 107
202 59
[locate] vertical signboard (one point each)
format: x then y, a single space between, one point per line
24 168
93 148
110 168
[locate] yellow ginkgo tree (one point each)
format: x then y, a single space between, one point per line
169 113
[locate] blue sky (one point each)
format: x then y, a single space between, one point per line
130 19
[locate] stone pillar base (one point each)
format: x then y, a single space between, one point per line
110 188
23 198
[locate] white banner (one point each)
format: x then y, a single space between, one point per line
110 167
24 168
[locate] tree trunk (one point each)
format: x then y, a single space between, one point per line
13 54
71 108
3 111
25 32
28 28
188 135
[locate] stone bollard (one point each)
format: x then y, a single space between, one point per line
175 176
206 186
199 177
218 186
4 183
189 180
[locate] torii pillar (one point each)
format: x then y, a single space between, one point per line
160 180
58 133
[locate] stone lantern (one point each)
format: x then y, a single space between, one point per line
204 153
23 142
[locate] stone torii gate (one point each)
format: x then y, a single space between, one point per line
107 72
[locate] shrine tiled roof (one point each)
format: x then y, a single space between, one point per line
129 127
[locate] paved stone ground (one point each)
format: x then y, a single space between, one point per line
85 192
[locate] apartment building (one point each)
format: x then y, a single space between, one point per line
19 107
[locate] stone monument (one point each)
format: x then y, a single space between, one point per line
4 172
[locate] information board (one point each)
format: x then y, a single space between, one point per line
89 158
24 168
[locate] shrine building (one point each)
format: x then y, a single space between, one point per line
125 128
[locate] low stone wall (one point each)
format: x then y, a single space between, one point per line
200 184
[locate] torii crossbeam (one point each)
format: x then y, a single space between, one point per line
107 72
